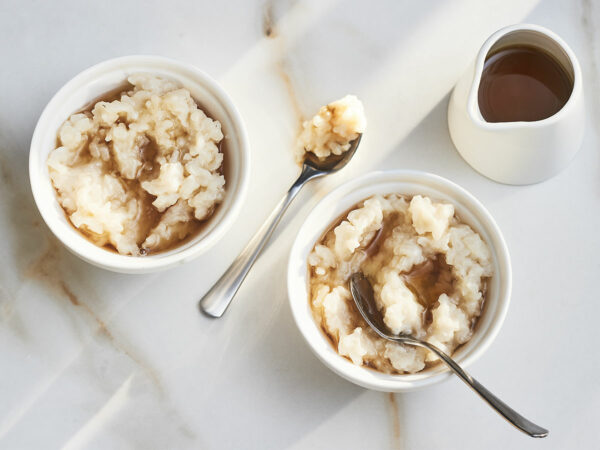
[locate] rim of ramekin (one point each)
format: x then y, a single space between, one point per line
132 264
369 378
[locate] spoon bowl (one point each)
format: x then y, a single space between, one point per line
332 163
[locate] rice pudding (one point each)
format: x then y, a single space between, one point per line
332 129
140 170
429 272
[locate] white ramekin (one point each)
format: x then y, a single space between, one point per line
89 85
410 183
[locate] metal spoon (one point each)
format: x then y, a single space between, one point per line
362 293
217 299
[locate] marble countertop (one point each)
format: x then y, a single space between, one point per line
95 360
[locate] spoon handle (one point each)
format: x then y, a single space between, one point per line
502 408
217 299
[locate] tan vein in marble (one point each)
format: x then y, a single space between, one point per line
268 25
45 270
396 440
4 172
289 87
271 31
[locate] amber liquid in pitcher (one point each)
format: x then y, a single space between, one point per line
522 83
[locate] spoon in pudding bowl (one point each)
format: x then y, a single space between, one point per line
217 299
362 293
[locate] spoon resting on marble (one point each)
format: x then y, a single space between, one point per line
364 298
217 299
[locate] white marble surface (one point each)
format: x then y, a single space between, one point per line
96 360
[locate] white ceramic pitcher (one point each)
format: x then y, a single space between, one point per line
517 152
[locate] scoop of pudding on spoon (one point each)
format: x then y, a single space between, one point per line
364 298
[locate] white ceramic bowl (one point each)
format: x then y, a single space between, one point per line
409 183
89 85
